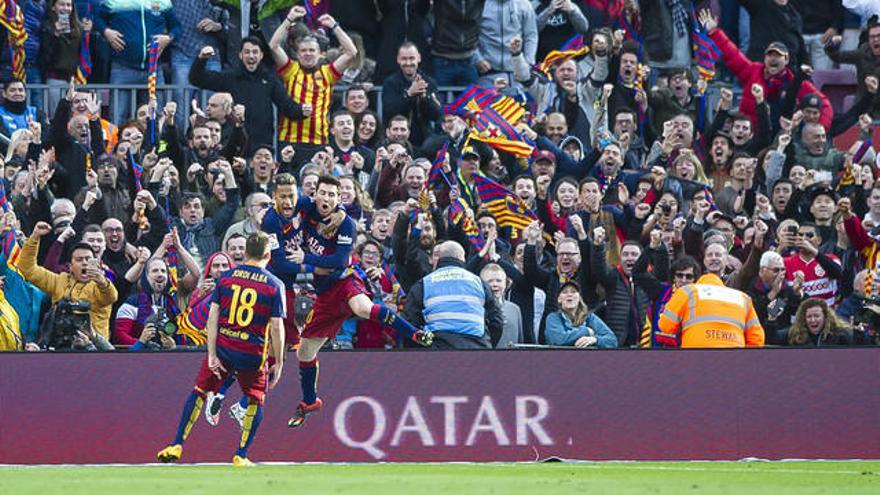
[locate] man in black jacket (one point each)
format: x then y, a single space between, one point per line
73 139
412 94
456 33
252 86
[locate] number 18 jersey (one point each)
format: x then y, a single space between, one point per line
249 297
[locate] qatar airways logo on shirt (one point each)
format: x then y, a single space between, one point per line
441 421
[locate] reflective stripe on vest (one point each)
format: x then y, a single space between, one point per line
454 302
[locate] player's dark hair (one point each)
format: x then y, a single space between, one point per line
328 179
253 40
257 246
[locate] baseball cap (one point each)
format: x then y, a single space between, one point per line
545 155
811 100
778 47
469 151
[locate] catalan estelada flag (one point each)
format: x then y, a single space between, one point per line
507 208
572 48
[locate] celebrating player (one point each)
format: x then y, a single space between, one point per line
247 309
335 280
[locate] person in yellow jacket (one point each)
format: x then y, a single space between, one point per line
84 282
709 314
10 333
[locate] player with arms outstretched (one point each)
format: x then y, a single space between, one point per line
245 319
336 280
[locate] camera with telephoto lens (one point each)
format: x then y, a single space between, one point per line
71 317
163 323
866 321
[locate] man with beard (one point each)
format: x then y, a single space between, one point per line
73 139
114 199
335 281
625 312
197 155
411 93
251 86
569 93
772 74
131 327
308 81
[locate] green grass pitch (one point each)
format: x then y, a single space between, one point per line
622 478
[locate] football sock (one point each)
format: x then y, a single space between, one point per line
191 410
308 376
226 384
243 402
249 426
388 317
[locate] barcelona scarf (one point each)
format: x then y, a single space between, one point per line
458 215
397 293
314 10
846 176
12 18
152 75
572 48
171 255
436 173
84 68
652 319
137 171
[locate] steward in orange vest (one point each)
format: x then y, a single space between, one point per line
709 314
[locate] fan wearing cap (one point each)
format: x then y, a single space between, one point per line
772 74
574 324
468 167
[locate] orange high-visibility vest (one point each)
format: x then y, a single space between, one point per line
708 314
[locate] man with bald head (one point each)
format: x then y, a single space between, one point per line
454 304
814 153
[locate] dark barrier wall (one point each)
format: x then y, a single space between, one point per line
473 406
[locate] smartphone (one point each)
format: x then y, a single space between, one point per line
65 21
822 176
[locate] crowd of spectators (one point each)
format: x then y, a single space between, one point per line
645 175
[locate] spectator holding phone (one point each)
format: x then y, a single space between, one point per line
60 42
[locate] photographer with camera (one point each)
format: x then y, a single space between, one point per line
81 298
147 319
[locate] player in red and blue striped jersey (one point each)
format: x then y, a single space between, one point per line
335 280
245 323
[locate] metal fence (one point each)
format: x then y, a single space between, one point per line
110 96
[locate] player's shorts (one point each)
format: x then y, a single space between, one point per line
291 331
253 382
331 308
